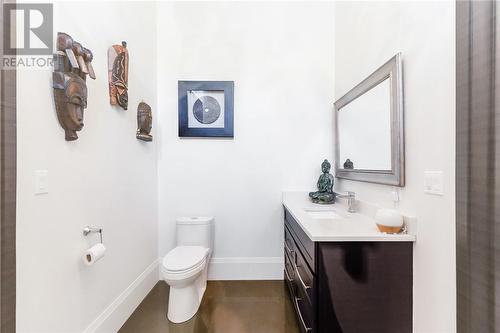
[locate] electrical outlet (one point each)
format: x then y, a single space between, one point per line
41 182
433 182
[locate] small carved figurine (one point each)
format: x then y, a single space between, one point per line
118 75
325 194
348 164
72 63
144 122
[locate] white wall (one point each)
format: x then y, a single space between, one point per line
281 57
366 35
105 178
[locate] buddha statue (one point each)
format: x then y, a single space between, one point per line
324 194
348 164
144 122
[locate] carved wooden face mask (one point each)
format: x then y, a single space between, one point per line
118 75
72 63
71 100
144 122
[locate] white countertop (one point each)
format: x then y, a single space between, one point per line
346 227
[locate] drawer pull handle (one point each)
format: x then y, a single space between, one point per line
307 329
300 279
288 249
288 276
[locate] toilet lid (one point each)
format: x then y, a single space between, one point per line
183 258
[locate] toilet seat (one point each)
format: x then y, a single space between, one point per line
184 258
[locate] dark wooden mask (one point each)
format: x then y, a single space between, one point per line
118 75
72 63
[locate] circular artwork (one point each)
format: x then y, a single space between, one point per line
206 109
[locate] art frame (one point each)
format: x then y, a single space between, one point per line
221 91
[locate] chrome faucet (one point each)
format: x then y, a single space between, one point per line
351 200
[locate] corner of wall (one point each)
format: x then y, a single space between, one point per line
115 315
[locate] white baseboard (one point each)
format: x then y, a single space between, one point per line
115 315
246 268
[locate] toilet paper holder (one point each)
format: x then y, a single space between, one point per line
88 230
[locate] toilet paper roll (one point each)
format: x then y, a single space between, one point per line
93 254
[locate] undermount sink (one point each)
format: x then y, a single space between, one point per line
323 213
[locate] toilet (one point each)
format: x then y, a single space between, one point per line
185 267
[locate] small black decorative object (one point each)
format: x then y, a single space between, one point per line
324 194
206 108
348 164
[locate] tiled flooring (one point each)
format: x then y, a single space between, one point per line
227 307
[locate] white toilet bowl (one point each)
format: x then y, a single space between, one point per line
185 271
185 267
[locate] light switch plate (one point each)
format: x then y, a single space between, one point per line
433 182
41 181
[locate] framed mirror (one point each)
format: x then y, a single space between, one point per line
369 128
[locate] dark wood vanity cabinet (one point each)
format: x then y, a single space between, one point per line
349 287
301 283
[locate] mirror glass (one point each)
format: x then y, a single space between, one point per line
364 130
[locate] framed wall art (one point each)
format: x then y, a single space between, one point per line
206 108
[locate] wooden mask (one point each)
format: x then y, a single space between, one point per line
72 63
144 122
118 75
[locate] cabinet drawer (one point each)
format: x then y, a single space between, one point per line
305 313
304 243
289 273
303 278
289 243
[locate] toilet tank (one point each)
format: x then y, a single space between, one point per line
195 231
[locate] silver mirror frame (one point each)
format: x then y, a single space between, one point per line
392 69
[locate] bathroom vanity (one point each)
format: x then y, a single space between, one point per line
342 273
